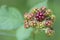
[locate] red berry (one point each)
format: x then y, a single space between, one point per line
40 16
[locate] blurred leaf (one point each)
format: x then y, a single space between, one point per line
23 33
39 5
2 37
32 3
10 18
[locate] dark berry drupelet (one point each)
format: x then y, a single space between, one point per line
40 16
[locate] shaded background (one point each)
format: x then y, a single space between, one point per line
25 6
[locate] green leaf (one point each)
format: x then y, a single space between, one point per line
39 5
23 33
10 18
32 3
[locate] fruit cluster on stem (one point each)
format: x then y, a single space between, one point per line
42 18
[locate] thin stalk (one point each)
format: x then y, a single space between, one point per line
33 36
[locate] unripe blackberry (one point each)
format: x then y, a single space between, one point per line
26 25
52 17
43 8
32 23
40 16
35 10
48 23
25 16
48 12
32 15
41 25
29 17
50 32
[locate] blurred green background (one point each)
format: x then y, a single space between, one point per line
11 18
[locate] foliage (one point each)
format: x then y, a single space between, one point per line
11 19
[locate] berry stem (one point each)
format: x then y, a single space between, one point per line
33 34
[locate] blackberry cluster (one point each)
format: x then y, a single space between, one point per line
42 18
